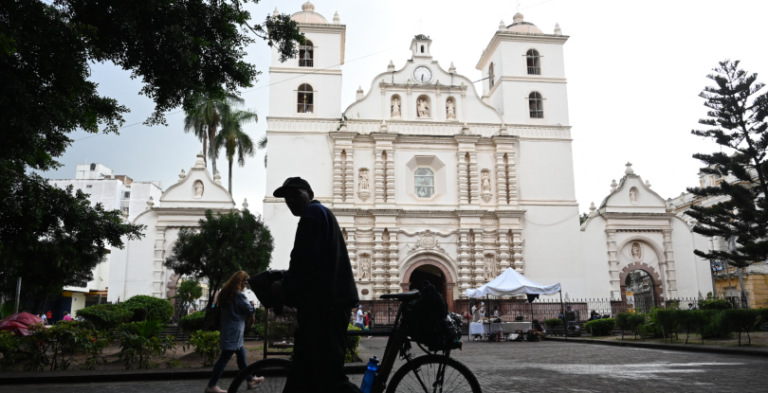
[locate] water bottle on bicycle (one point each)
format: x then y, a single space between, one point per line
370 375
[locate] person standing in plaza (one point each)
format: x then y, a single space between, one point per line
235 311
360 320
48 317
320 284
66 316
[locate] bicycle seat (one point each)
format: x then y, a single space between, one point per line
403 297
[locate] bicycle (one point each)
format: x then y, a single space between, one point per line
433 372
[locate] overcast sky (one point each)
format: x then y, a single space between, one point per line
634 70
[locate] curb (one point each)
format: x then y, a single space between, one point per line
669 347
117 376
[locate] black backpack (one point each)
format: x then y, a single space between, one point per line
429 323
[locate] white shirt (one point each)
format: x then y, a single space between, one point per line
359 317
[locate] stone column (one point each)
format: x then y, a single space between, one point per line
379 267
463 173
389 178
474 179
157 262
349 177
501 179
479 259
613 264
352 250
378 176
337 176
517 251
394 262
503 249
465 271
512 174
669 255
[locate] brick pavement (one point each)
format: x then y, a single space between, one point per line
541 367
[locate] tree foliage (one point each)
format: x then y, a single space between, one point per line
148 308
223 245
736 121
233 138
178 49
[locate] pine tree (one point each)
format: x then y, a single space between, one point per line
736 120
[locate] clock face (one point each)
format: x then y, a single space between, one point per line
422 74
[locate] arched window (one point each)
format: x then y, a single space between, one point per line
306 54
536 105
424 182
422 49
491 77
305 99
534 62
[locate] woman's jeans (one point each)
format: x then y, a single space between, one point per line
221 364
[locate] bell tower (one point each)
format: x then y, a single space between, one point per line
420 46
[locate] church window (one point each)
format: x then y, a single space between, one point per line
305 99
422 49
424 182
534 62
536 105
306 54
491 77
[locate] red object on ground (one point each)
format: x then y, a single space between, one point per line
20 323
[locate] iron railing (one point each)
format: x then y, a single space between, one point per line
534 70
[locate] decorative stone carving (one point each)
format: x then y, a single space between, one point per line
365 268
422 108
637 251
395 107
150 203
427 241
489 267
629 170
363 185
450 110
613 185
245 203
486 185
633 195
182 175
198 189
217 177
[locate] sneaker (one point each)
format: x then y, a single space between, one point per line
214 389
255 381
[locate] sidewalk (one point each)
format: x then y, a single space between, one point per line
744 351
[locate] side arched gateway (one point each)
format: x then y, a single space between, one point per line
640 286
435 272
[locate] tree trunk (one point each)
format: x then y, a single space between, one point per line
230 178
744 300
212 147
205 151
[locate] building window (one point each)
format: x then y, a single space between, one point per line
89 186
534 62
422 49
306 54
536 105
491 77
127 195
305 99
424 182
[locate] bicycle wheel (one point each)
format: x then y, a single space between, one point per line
420 375
274 371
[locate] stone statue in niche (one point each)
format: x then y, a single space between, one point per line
633 195
198 189
363 185
489 268
363 180
396 107
485 185
450 110
637 252
365 269
422 108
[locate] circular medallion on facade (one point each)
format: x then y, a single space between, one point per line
364 291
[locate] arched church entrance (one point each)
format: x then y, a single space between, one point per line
433 272
640 287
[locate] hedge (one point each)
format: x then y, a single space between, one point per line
553 322
148 308
192 322
105 316
600 327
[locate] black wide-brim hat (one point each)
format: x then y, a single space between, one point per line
291 182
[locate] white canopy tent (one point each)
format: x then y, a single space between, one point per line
512 283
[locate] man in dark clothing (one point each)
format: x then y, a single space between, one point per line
320 283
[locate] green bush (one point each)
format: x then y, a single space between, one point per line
713 303
139 341
600 327
633 322
665 321
742 321
105 316
55 347
692 320
9 348
192 322
717 325
206 344
148 308
352 355
553 322
259 315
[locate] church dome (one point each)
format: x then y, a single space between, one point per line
308 15
521 26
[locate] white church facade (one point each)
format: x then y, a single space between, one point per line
431 177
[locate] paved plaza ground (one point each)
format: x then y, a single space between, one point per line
541 367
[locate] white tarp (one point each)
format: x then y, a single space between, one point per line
512 283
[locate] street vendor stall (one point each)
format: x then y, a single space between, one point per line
509 283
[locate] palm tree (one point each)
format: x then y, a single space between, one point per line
263 145
204 117
232 137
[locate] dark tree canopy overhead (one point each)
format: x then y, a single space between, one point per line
223 245
736 120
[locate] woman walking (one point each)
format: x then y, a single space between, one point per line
235 311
